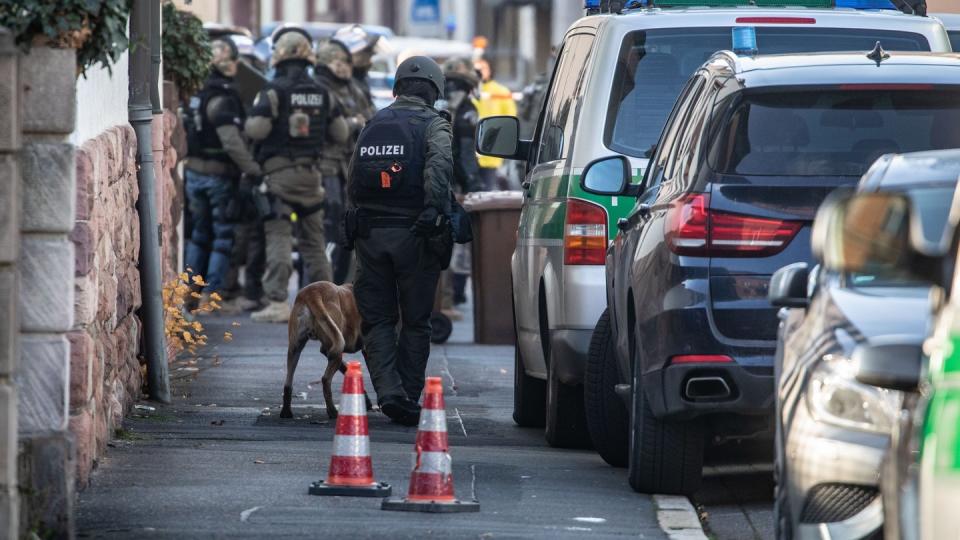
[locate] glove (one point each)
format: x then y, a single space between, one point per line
428 222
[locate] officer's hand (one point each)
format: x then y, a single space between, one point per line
428 222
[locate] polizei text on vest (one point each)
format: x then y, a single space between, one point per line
382 150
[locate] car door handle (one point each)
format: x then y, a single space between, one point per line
526 185
643 210
623 224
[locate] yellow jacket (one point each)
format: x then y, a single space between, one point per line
495 100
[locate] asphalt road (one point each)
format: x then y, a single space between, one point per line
218 461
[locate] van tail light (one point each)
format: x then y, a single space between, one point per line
585 234
695 230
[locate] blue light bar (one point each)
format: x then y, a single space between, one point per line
865 4
744 40
591 4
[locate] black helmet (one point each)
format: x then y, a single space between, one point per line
421 67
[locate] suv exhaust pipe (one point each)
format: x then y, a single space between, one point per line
707 389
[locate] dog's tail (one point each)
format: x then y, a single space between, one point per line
327 330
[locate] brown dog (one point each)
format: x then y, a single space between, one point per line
327 313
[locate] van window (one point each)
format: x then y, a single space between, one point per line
653 66
802 132
560 111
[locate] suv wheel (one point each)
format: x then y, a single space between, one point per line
665 456
529 395
607 418
566 423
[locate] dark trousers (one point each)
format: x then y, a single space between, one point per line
334 207
248 253
396 283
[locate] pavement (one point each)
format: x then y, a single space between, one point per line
219 462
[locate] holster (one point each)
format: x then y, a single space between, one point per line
353 226
263 202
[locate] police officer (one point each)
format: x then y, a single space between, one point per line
216 155
461 85
362 46
292 118
400 183
335 73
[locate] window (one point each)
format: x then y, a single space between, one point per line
832 132
653 66
564 92
668 142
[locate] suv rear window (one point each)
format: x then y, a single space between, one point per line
653 66
838 132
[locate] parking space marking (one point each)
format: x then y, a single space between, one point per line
677 517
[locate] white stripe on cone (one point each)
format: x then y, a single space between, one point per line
434 462
353 405
433 420
351 445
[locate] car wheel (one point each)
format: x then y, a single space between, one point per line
566 423
666 456
607 418
529 395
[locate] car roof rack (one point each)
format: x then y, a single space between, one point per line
910 7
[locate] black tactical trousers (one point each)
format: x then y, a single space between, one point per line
396 282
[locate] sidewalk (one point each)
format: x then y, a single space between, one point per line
219 462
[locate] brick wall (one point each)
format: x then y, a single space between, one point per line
105 375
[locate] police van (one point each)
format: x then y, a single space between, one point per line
615 81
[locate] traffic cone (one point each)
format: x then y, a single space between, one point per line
431 482
351 468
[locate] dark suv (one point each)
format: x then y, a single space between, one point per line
753 146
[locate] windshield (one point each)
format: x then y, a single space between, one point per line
931 204
653 66
832 132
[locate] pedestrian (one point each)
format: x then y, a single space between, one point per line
461 85
249 256
400 185
216 155
335 74
495 100
291 119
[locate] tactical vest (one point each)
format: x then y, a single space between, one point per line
390 158
301 124
202 139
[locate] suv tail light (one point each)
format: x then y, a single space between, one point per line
694 229
585 233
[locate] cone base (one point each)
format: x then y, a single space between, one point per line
405 505
381 489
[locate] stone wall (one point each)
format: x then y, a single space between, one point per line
47 87
105 376
9 250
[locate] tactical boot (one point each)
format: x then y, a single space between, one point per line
401 410
275 312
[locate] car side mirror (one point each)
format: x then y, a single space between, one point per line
788 286
875 233
499 136
892 363
607 176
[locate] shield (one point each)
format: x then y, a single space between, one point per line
248 82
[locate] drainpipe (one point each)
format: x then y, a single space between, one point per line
142 90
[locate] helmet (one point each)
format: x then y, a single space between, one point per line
421 67
224 55
461 69
291 43
356 39
334 55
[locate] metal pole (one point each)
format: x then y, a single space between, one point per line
141 116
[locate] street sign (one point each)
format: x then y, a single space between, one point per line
426 11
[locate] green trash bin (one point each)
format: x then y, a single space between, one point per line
494 216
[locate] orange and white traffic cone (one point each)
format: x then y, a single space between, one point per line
431 482
351 467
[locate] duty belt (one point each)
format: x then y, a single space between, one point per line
389 222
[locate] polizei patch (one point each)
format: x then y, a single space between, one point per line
306 100
382 150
